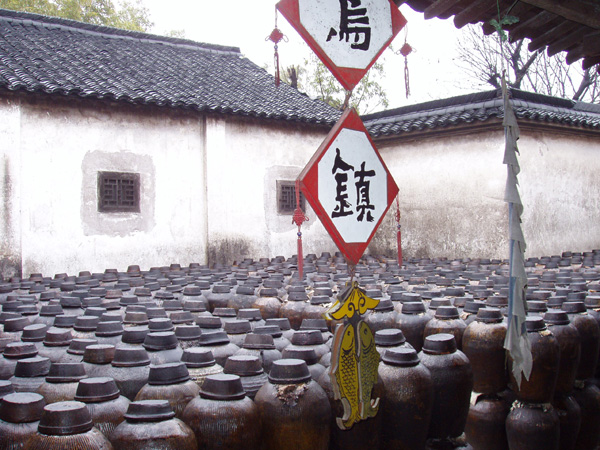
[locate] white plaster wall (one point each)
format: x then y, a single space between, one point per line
10 187
244 162
451 197
55 140
560 189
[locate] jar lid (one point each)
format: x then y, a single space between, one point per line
472 306
413 308
37 366
238 327
535 323
156 313
57 337
134 335
439 344
15 325
497 300
537 306
384 305
130 357
446 312
192 290
86 323
213 338
96 390
489 315
435 303
6 388
389 337
289 371
162 340
401 357
194 306
99 354
268 292
34 333
95 311
307 337
65 418
306 354
209 322
136 317
569 307
51 310
222 387
188 332
314 324
149 411
258 341
78 346
221 288
556 317
243 365
224 312
111 317
22 407
297 296
66 372
198 357
20 350
171 304
109 329
64 321
283 323
272 330
169 373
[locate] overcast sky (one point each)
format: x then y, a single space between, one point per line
246 24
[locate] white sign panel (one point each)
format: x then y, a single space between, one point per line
352 185
351 32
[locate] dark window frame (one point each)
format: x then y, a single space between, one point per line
286 198
118 192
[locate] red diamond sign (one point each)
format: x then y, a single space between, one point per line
349 186
347 35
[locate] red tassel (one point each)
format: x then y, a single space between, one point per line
299 218
276 37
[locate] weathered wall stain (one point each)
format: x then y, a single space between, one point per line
229 250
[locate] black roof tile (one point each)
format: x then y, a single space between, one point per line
59 56
479 107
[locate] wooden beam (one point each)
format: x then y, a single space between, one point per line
522 29
439 8
473 13
552 34
568 40
591 62
584 12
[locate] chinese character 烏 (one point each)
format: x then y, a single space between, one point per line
340 167
352 21
362 193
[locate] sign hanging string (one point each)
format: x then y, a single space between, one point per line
399 232
276 37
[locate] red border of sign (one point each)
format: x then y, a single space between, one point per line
309 185
348 77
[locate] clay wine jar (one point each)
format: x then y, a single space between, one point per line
407 400
533 426
151 424
569 415
452 378
587 396
483 343
222 417
61 382
569 343
19 418
446 320
268 303
545 353
589 333
200 364
486 423
67 425
294 410
129 368
412 321
295 307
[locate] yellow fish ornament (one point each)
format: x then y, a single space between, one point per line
352 300
368 366
344 369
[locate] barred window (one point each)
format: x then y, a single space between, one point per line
286 197
118 192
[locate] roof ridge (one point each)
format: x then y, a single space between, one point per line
109 32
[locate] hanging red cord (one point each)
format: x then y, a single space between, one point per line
276 37
299 218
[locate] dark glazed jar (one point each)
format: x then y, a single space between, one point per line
170 382
569 415
97 359
412 321
569 344
162 347
483 343
407 400
545 353
237 331
12 353
222 417
587 396
446 320
533 426
219 296
200 364
260 345
151 424
250 370
589 332
104 401
388 339
30 374
129 368
218 343
67 425
294 410
19 418
486 423
294 308
61 382
452 384
268 303
382 317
